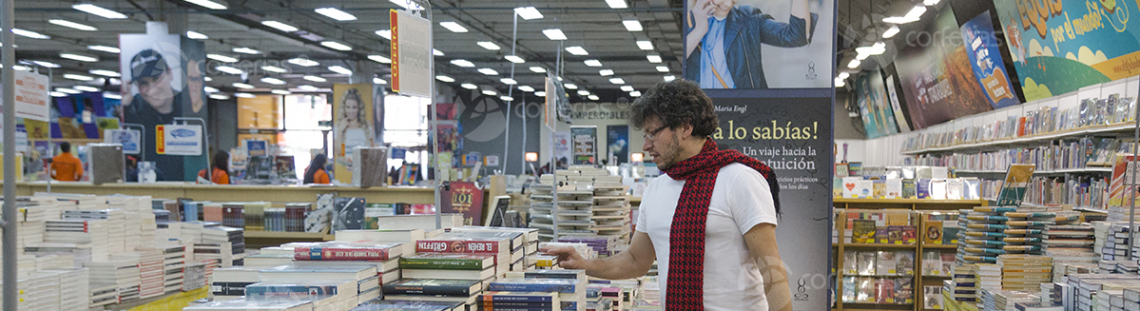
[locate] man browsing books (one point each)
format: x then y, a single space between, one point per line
710 224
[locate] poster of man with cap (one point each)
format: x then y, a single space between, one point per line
156 90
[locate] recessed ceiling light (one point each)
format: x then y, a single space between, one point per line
632 25
593 63
508 81
436 52
663 68
98 11
104 72
196 35
489 92
219 96
488 71
489 45
891 32
30 34
554 34
244 95
210 89
336 14
540 94
384 33
221 58
583 92
577 50
85 88
506 98
462 63
843 75
606 72
854 64
245 50
280 26
444 78
280 92
528 13
570 86
617 4
46 64
340 69
617 81
104 48
77 77
208 4
635 93
78 57
272 80
514 59
112 96
538 69
274 69
242 85
72 25
378 81
303 62
58 94
453 26
645 44
229 70
525 88
627 88
67 90
469 86
314 78
336 46
653 58
380 59
307 87
592 97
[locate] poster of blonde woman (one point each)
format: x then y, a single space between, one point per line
352 124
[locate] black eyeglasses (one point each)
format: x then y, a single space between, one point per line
649 134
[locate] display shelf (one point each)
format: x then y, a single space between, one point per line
876 245
1029 139
1050 172
906 201
941 246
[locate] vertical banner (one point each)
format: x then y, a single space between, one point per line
584 140
617 140
878 117
753 46
411 54
989 70
163 79
562 149
352 125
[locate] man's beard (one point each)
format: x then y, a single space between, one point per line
672 152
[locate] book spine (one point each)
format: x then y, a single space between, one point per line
288 291
339 253
453 246
496 299
229 288
518 308
443 290
530 287
441 264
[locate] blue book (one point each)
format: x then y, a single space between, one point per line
433 287
535 285
191 211
300 289
516 297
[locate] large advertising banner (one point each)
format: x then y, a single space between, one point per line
352 124
936 75
989 70
163 80
759 44
878 117
1059 46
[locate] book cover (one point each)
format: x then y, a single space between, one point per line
849 289
271 291
463 198
535 285
885 291
443 261
865 291
866 263
882 235
905 263
894 188
863 189
932 233
348 213
950 235
345 252
462 245
433 287
497 297
923 188
909 188
894 235
909 234
863 231
850 263
885 263
904 291
849 187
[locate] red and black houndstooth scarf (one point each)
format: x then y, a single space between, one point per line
685 285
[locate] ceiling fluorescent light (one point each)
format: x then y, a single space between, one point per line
302 62
844 75
30 34
645 45
78 57
210 89
274 69
280 92
45 64
436 52
314 78
489 45
554 34
307 87
244 95
58 94
219 96
570 86
86 88
627 88
526 88
104 72
384 33
243 85
606 72
876 49
378 81
592 97
930 2
891 32
635 93
489 92
453 26
98 11
506 98
916 12
583 92
654 58
632 25
617 4
272 80
854 64
222 58
444 78
839 82
77 77
336 14
104 48
663 68
537 69
72 25
207 79
670 78
488 71
528 13
617 81
862 57
112 96
208 4
462 63
380 59
245 50
229 70
196 35
67 90
280 26
577 50
515 59
469 86
593 63
336 46
340 69
540 94
508 81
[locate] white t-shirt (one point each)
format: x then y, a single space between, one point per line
740 200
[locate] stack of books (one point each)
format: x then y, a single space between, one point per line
603 246
1131 299
423 222
42 291
194 276
530 242
1072 262
295 216
460 292
121 271
336 295
383 257
988 277
102 294
548 280
246 304
73 288
212 211
964 285
230 283
611 209
390 305
984 237
464 242
90 234
173 265
30 222
364 276
222 253
116 225
233 215
1027 230
518 301
1007 300
1025 272
264 260
151 282
1070 238
541 203
518 245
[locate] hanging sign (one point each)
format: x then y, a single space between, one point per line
31 96
411 54
178 139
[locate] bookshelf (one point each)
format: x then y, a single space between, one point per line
1030 139
910 204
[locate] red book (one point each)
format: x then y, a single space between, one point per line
462 245
346 252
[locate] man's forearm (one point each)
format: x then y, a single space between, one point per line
618 267
776 288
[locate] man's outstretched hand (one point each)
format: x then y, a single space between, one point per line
568 258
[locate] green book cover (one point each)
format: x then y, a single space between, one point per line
909 188
444 261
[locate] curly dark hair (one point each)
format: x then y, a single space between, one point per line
676 103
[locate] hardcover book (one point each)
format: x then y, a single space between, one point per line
446 261
462 288
348 213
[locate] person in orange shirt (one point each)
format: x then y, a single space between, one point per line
316 174
66 167
220 175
